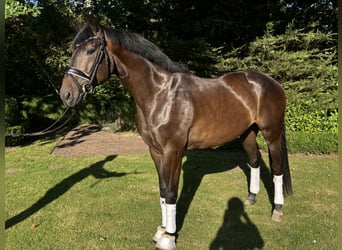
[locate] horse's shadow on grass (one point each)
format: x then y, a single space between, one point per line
96 170
202 162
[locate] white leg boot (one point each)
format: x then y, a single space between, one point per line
277 214
168 240
254 185
161 229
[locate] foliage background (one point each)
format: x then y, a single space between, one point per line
295 42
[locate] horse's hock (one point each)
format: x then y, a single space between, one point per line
92 140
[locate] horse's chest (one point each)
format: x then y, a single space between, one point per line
164 124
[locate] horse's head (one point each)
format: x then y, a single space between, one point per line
90 65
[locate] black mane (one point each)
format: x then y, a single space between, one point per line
136 44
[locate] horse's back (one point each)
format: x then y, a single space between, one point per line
256 81
224 107
227 106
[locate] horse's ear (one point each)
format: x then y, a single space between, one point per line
93 23
77 26
95 28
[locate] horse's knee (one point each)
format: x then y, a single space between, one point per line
168 194
254 163
171 197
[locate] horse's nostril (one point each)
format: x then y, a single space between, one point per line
67 95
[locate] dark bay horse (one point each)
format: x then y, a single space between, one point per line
177 111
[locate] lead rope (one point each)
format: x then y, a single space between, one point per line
48 130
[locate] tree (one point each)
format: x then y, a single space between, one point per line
304 13
15 8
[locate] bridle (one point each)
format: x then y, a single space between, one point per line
88 87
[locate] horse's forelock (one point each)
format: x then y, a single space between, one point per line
82 35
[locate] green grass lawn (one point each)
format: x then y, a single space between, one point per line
112 202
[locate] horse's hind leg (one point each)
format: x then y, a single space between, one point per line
273 139
251 148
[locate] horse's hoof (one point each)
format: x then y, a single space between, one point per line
249 202
166 242
160 231
277 216
251 199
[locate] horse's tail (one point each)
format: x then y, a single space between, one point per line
285 165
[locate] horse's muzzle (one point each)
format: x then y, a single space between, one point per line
70 94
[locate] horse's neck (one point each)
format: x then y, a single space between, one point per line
142 78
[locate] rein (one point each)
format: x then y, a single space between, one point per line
88 87
48 130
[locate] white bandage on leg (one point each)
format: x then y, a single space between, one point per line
254 185
163 211
171 218
278 189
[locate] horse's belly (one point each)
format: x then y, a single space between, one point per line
216 133
208 142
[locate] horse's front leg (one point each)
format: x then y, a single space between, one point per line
168 166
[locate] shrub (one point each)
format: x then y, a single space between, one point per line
111 103
29 114
13 115
323 142
298 118
13 137
312 142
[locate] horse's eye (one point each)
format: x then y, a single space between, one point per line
90 51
